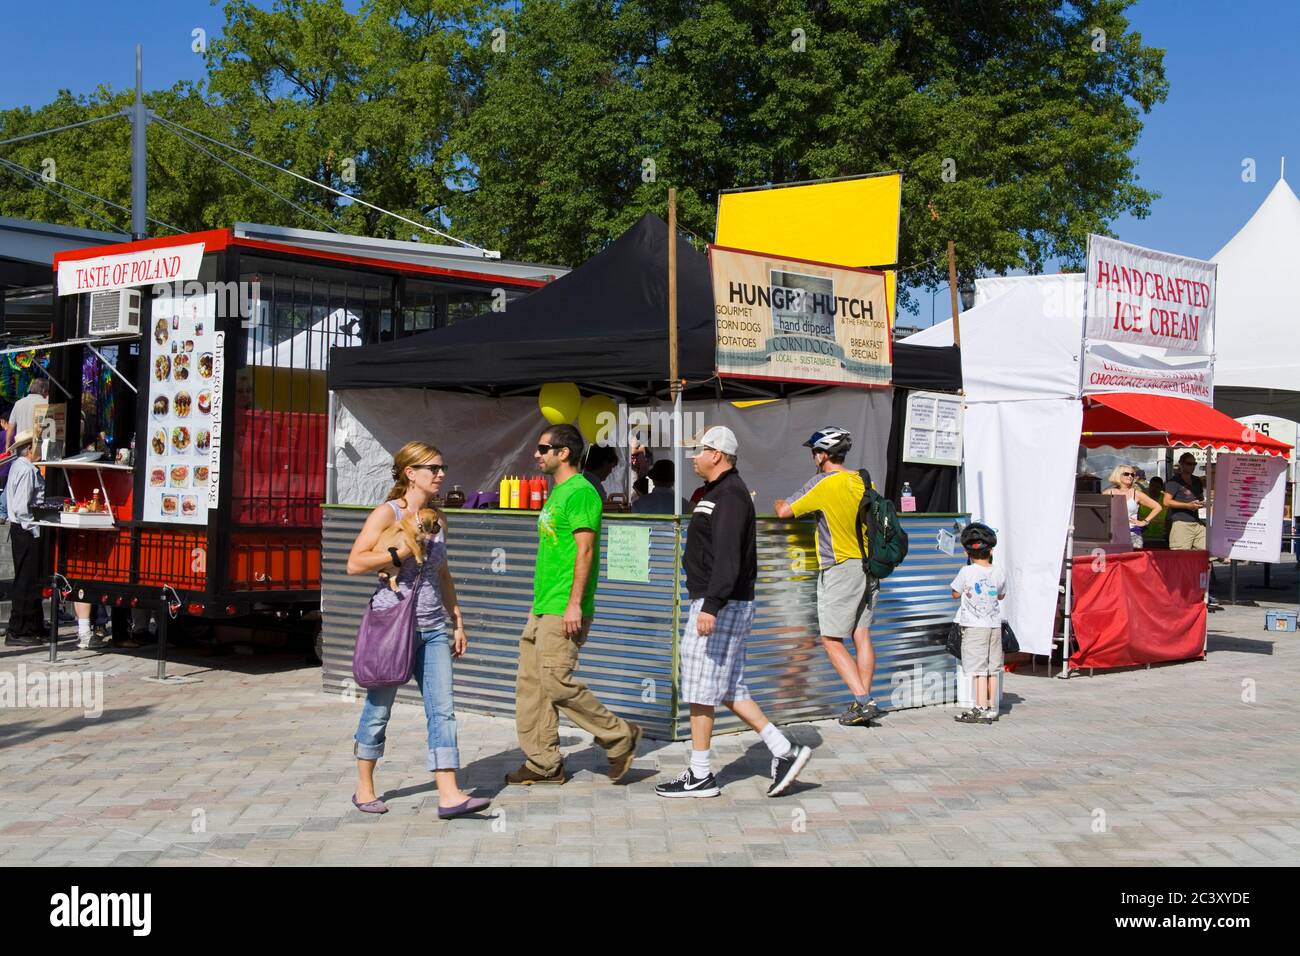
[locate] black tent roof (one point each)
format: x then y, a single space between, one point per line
607 320
604 322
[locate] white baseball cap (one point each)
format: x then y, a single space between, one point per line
719 438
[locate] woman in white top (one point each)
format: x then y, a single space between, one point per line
1123 481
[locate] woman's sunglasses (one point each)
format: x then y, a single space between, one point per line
436 469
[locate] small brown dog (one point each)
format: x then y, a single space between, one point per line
414 532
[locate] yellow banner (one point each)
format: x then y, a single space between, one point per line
847 222
794 321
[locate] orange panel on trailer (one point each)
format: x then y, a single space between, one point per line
101 556
175 557
261 561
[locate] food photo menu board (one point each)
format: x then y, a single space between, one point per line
183 430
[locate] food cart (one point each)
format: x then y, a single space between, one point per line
198 363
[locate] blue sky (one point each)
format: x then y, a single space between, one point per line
1232 70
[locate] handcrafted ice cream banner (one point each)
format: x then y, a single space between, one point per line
792 320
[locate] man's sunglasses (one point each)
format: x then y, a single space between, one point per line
436 469
543 449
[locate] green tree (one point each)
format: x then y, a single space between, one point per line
1033 115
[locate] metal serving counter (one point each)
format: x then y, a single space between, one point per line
629 660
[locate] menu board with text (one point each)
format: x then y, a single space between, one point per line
182 437
933 429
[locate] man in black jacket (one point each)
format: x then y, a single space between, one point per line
721 564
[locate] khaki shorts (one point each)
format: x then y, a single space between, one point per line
844 599
1186 536
981 651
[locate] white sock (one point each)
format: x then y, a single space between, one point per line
83 627
776 741
700 764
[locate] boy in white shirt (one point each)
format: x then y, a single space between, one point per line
981 587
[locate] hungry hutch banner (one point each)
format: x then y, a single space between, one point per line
792 320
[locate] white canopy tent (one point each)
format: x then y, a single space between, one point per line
1020 369
1257 313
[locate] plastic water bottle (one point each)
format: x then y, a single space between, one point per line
907 501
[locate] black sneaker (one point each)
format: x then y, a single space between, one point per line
852 717
22 640
785 770
689 785
859 715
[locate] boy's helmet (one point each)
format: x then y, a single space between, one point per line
978 538
832 440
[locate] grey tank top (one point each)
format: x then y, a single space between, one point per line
423 579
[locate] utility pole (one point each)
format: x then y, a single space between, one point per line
139 122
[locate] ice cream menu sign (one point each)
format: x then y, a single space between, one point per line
1246 524
182 434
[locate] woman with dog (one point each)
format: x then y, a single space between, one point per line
418 472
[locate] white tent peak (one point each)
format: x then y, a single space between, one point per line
1257 307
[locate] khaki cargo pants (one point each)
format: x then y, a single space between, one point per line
545 685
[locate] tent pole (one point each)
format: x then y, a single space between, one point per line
1069 593
675 386
952 288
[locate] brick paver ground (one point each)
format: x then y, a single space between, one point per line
1194 763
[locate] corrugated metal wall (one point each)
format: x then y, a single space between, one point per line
628 660
787 671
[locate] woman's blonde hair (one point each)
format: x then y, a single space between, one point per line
412 453
1114 474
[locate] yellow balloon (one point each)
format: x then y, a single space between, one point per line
559 402
590 422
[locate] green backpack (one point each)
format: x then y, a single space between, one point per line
885 541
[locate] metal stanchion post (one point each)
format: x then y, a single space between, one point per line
1233 588
171 607
1069 594
54 620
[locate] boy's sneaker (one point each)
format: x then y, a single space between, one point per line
688 785
972 716
785 770
871 710
990 714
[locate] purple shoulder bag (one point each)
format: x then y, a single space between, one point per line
385 644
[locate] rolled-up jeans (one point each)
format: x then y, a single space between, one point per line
432 668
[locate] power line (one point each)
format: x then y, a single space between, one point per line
308 179
82 192
23 173
168 126
60 129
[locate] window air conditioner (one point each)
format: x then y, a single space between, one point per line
116 312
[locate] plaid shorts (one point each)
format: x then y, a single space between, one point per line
713 667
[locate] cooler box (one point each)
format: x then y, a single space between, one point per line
1280 621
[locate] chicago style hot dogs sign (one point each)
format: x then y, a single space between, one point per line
1150 322
796 321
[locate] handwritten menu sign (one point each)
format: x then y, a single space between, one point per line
933 429
182 434
1246 522
627 553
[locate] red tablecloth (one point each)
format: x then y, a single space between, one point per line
1139 607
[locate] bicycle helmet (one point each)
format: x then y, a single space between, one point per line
978 538
835 441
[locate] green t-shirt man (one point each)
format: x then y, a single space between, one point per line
574 505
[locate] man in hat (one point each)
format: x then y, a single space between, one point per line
25 626
721 564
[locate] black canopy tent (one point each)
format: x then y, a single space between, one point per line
605 325
604 322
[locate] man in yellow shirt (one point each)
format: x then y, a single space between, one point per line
845 594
